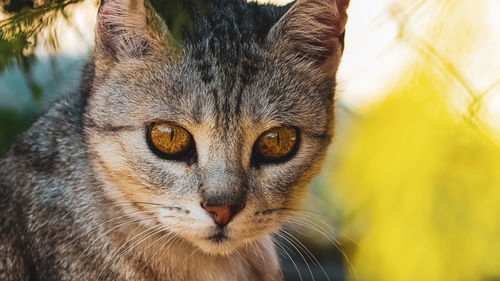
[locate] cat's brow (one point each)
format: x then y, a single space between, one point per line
110 127
318 136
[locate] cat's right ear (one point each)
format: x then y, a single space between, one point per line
128 29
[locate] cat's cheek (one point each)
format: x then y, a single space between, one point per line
191 221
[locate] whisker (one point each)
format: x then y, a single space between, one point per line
280 252
94 228
151 244
291 259
117 252
312 225
171 240
299 252
332 230
113 228
303 211
279 267
159 228
334 241
141 202
309 253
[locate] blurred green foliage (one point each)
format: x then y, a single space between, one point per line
177 15
27 24
13 123
21 30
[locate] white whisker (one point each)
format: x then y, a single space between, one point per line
113 228
290 257
117 252
299 252
308 252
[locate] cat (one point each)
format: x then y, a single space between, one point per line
176 160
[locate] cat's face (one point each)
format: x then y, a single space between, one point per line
217 144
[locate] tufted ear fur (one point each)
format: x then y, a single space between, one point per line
128 29
311 35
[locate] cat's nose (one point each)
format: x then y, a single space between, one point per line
222 215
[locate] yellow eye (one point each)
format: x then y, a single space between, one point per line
277 143
169 139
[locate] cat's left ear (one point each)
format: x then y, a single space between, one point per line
310 35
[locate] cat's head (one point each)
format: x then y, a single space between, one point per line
215 137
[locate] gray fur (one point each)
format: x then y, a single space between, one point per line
81 186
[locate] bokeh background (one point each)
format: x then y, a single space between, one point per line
411 187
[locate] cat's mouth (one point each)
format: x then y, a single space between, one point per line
218 237
218 242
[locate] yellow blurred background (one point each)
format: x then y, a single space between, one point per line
417 169
411 187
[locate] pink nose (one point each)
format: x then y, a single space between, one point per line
222 215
